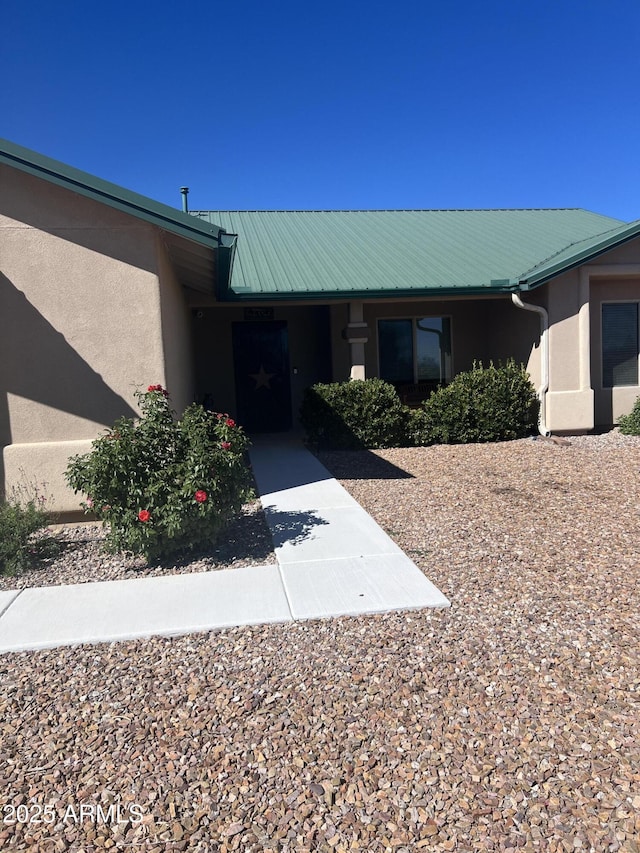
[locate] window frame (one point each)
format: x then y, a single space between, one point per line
414 318
603 303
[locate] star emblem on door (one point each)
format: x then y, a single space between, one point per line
262 378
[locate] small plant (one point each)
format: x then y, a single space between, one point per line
161 485
483 404
630 424
352 415
22 517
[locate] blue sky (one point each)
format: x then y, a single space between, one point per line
263 105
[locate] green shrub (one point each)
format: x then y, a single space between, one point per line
630 424
22 516
482 404
162 485
356 414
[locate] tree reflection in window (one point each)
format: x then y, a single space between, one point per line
415 349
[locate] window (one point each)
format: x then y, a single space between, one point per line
619 344
415 349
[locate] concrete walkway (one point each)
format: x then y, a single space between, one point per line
333 560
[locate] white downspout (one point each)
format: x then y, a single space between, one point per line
544 357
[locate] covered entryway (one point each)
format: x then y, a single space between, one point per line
262 375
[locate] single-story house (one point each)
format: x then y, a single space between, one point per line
103 291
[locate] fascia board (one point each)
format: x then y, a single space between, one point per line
340 296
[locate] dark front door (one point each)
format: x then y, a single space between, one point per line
261 364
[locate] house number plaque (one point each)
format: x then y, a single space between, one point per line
258 313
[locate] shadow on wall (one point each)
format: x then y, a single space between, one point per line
604 415
70 216
5 434
37 362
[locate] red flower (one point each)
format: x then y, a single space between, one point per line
144 515
230 422
158 388
226 445
200 496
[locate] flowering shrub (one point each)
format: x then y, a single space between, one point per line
162 485
23 535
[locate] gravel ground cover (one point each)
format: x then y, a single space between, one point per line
82 559
509 721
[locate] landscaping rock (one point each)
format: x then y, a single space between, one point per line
508 721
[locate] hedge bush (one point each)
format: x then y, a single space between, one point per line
480 405
161 485
353 415
630 424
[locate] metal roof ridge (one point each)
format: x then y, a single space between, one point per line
397 210
597 245
599 236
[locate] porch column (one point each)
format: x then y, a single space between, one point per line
584 331
570 408
357 334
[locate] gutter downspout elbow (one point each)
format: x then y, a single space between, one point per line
544 357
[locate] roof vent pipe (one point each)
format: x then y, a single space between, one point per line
185 193
544 358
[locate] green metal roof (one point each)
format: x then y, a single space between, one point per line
342 253
197 247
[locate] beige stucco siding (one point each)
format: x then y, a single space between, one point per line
340 351
628 253
569 398
563 305
481 329
614 276
610 403
213 356
176 334
512 332
80 319
576 399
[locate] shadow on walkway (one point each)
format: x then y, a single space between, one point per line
292 527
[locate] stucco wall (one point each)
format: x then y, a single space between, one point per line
628 253
610 403
80 320
576 399
340 352
481 329
176 334
513 333
614 276
213 355
563 305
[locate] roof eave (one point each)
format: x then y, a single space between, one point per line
340 296
580 258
